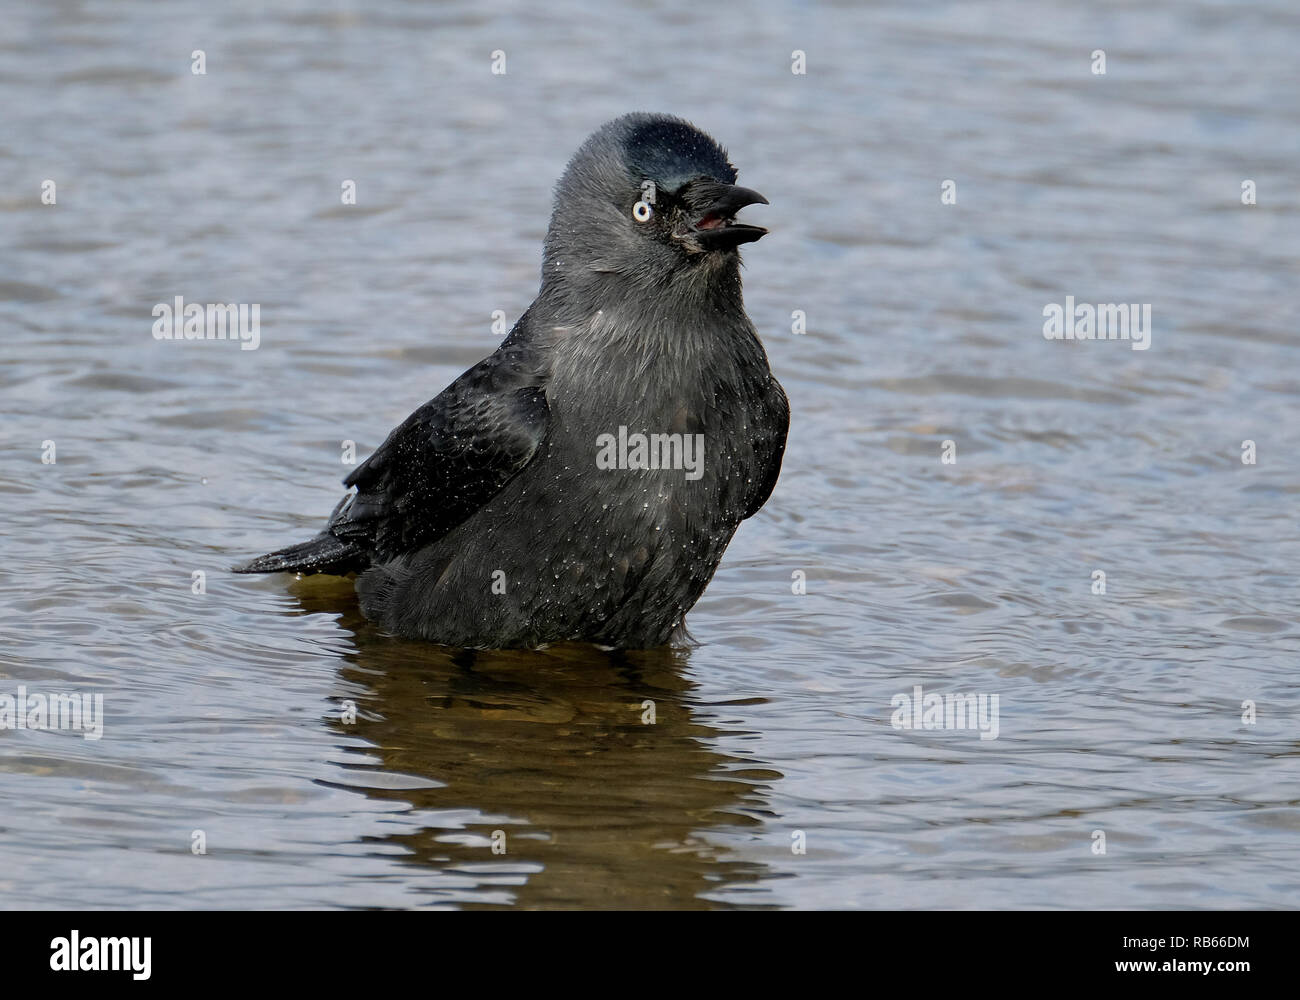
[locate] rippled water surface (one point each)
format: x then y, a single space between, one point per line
1119 712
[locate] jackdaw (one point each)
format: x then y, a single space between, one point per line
582 482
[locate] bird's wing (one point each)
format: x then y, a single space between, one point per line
769 447
448 458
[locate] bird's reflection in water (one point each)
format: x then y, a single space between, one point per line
597 807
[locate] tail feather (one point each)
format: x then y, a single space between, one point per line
323 554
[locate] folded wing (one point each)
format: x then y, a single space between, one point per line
443 463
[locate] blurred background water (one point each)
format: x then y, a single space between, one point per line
1120 712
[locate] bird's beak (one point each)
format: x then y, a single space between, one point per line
714 226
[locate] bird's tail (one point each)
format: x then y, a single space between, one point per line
323 554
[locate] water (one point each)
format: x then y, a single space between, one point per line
1120 713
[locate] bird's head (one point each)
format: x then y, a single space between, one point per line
652 199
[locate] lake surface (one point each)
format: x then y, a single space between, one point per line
773 774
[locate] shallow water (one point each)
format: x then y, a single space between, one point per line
1119 712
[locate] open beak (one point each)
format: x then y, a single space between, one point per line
713 225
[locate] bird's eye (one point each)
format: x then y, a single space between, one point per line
642 211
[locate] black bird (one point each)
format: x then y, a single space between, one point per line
535 499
